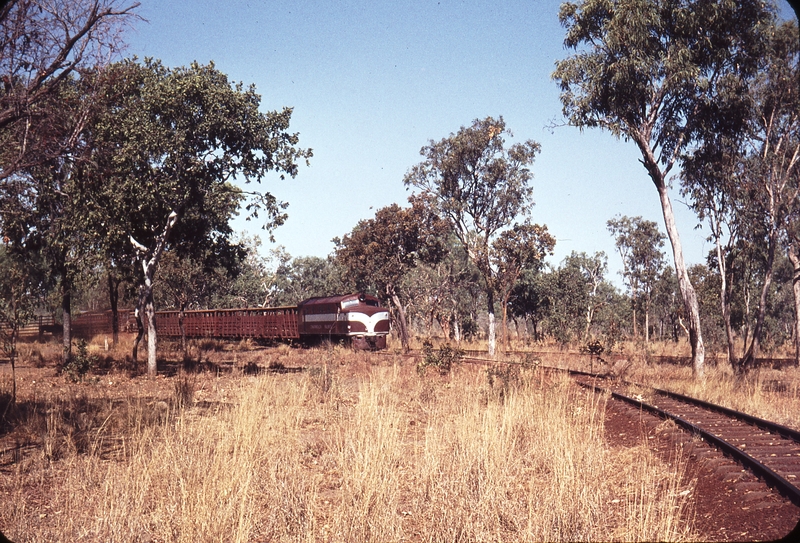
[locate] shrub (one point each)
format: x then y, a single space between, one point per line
80 363
442 359
184 391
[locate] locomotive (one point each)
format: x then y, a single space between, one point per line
355 319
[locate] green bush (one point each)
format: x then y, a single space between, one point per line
441 359
80 363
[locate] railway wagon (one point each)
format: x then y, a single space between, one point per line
276 323
357 319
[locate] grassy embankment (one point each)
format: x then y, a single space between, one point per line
355 448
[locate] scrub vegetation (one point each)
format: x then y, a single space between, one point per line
357 447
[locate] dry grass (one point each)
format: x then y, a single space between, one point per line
356 448
767 393
772 394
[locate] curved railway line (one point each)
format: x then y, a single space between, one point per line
771 451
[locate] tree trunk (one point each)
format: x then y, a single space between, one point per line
113 297
444 324
139 333
402 323
66 316
505 320
794 257
139 313
725 304
690 304
749 358
152 340
145 301
492 337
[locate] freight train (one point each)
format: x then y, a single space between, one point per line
356 319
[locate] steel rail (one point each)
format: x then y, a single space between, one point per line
785 431
773 479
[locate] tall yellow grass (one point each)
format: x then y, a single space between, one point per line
357 451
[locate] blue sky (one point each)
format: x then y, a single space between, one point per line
372 82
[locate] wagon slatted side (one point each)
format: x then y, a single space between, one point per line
281 323
88 325
256 323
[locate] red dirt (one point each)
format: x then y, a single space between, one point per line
730 504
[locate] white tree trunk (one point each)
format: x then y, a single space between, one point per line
152 340
688 293
492 334
149 267
794 257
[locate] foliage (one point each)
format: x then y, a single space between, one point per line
43 45
442 358
306 277
20 290
447 292
164 156
569 302
745 185
522 246
595 348
480 187
653 71
80 363
639 244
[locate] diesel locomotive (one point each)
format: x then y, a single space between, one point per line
356 319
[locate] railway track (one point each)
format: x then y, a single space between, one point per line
769 450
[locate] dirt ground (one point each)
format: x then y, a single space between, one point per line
729 504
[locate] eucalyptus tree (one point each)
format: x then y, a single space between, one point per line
299 278
712 178
445 291
667 307
170 149
524 246
251 286
639 244
650 71
43 43
748 182
593 269
773 161
481 188
530 300
566 292
380 252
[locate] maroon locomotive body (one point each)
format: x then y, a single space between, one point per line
356 319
